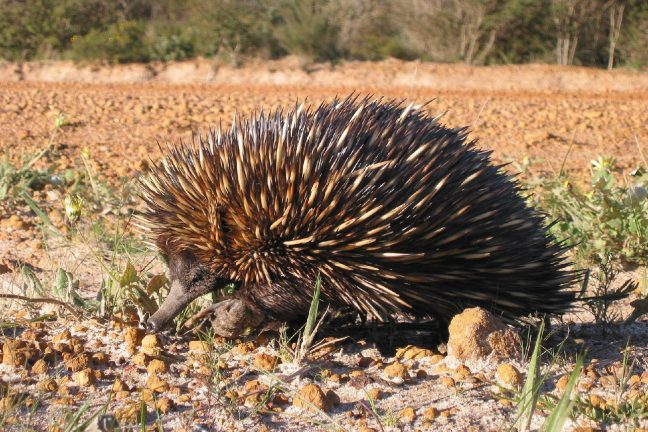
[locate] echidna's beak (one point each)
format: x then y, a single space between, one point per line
177 299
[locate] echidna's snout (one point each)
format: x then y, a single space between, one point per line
178 299
189 280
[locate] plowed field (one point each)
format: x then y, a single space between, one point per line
111 121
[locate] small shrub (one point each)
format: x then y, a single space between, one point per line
378 47
44 28
172 47
230 29
604 295
18 180
608 221
122 42
608 226
309 29
369 33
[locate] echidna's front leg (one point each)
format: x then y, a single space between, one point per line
260 304
230 318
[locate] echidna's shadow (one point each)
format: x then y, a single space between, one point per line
606 343
387 337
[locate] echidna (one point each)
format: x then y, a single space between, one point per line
396 213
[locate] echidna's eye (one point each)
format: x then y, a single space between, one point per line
164 257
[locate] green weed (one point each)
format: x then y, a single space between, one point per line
607 224
531 397
297 351
18 180
608 221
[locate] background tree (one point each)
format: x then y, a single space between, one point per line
602 33
569 17
616 9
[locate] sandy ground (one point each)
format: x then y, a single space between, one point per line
556 117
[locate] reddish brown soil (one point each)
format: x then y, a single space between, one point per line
550 120
120 124
556 117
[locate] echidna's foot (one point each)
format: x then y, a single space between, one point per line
230 318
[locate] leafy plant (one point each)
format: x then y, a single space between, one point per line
17 180
44 28
309 28
64 288
604 295
608 225
531 397
627 408
130 287
230 29
610 220
172 47
81 419
310 328
121 42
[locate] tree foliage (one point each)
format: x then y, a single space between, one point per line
603 33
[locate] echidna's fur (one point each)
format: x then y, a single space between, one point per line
395 212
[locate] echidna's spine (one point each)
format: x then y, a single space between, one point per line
395 212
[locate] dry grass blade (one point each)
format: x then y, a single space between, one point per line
68 307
